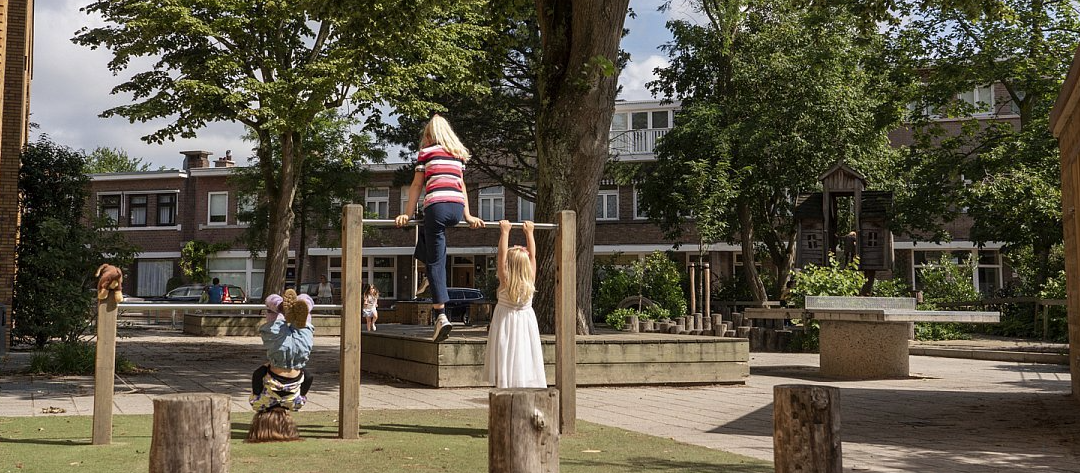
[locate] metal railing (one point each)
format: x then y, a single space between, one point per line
413 223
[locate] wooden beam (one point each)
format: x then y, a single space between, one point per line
352 267
566 320
104 370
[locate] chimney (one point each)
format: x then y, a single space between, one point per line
196 159
225 162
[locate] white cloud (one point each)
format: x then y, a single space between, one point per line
686 10
71 86
636 74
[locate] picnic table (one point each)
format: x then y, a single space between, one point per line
867 337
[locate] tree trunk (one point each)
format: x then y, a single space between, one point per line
806 429
523 428
281 217
746 237
577 83
301 254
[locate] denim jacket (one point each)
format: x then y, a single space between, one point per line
286 346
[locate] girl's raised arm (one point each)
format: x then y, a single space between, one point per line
504 243
530 244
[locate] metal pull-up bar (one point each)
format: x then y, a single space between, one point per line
414 223
352 272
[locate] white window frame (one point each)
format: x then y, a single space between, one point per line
210 208
486 201
637 210
522 203
380 205
370 270
977 97
145 206
175 205
119 206
602 197
405 201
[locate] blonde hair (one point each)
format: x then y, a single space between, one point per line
438 132
519 276
295 310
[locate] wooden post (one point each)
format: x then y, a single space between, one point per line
708 288
806 429
104 370
352 267
693 288
191 433
523 431
566 320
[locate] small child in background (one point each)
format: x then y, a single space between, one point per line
514 358
370 306
287 336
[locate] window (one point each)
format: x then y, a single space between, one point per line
491 204
985 276
618 122
871 239
812 242
639 120
526 210
382 272
218 208
660 120
153 275
638 213
982 98
166 209
245 206
377 201
110 207
137 212
607 205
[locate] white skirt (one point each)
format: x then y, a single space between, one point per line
514 358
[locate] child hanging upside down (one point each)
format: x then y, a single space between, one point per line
287 336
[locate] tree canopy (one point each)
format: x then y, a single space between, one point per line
106 160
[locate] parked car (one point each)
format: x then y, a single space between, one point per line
457 308
194 292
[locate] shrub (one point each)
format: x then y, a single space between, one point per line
892 288
72 358
617 318
661 281
945 282
656 313
829 280
615 286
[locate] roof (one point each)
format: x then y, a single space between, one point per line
841 166
874 204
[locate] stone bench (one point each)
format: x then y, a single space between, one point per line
867 337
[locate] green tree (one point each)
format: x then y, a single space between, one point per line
58 250
105 160
331 176
274 66
1004 173
772 94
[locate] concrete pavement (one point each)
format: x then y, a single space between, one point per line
953 415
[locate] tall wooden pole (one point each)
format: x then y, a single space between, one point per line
707 291
104 370
566 320
693 289
352 266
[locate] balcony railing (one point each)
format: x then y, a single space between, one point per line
636 141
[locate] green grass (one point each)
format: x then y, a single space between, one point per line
390 441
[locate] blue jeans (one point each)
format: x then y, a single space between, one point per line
431 246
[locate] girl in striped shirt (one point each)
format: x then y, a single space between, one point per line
439 172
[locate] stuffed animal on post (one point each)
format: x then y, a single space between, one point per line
110 278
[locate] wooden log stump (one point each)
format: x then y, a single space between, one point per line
633 324
706 324
523 430
190 434
737 319
771 340
806 429
742 332
757 339
681 323
729 333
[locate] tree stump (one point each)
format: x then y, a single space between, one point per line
742 332
523 430
783 340
191 434
806 429
632 324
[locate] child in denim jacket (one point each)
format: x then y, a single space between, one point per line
287 336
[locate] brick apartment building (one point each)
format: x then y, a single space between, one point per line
161 210
16 64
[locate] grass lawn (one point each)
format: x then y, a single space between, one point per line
390 441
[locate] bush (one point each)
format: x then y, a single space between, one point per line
829 280
617 318
662 282
656 313
72 358
615 286
892 288
945 282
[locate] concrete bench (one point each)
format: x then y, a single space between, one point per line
867 337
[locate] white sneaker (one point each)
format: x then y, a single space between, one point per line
423 286
442 329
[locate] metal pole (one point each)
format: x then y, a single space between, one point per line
412 223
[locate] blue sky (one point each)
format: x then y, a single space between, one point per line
71 85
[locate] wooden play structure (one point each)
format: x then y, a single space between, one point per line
1065 123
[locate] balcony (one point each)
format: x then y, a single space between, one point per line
634 143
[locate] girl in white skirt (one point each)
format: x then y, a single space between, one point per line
514 358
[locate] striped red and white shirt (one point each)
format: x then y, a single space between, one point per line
443 176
